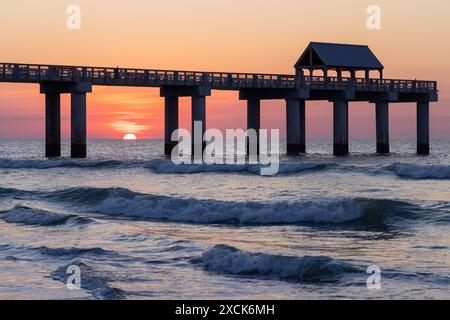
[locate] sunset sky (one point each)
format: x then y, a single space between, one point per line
216 35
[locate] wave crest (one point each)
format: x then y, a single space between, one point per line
49 164
74 252
229 260
167 167
174 209
120 202
11 192
418 172
31 216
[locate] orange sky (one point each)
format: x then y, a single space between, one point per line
216 35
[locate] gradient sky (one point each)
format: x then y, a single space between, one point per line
216 35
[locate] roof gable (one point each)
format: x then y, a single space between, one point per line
339 55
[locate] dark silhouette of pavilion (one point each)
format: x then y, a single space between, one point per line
338 57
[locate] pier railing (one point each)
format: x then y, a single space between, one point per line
35 73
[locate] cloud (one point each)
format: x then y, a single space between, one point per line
128 126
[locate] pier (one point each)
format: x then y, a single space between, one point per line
325 71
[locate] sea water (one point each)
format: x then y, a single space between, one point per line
139 227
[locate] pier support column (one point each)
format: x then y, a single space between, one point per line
52 125
78 125
171 123
340 121
198 96
423 128
382 124
52 91
253 122
198 132
295 126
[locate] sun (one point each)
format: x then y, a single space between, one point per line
129 136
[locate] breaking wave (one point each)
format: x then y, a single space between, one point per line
418 172
164 166
49 164
31 216
122 202
167 167
229 260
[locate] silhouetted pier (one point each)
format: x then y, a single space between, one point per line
296 90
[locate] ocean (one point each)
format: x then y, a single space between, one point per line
138 227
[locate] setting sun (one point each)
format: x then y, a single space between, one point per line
129 136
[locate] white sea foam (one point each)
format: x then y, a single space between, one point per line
417 172
229 260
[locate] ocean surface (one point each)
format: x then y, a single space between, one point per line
139 227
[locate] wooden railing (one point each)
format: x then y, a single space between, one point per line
35 73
